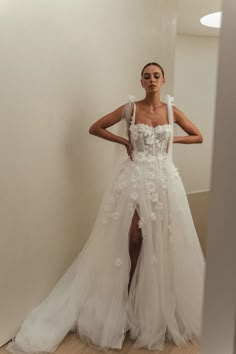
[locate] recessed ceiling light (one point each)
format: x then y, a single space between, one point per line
212 20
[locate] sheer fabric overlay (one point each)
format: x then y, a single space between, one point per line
166 293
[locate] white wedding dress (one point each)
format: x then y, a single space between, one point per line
166 293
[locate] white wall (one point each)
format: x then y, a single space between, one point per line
194 91
63 65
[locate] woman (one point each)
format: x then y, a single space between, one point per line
151 112
142 269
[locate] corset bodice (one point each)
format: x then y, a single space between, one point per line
148 141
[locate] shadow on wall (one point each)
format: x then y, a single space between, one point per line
198 202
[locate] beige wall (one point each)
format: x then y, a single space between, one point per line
220 290
194 91
63 65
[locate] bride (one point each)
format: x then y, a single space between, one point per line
141 272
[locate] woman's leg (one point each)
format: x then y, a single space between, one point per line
135 243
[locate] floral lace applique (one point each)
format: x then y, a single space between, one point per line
176 173
118 262
153 216
151 187
151 175
154 197
115 215
134 195
141 223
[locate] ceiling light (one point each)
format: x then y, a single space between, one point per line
212 20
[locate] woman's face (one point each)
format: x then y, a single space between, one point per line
152 79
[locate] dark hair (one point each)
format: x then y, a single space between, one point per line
158 65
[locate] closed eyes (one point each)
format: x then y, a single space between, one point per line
156 76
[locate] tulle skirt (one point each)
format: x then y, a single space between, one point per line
166 293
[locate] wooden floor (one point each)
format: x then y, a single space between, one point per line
73 345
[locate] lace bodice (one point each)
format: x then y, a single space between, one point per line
152 142
148 141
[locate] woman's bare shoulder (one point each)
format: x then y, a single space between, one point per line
178 113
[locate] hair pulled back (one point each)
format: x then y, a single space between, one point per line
156 64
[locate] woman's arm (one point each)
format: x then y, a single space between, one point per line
194 136
100 126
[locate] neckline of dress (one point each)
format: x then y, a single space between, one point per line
148 125
151 126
